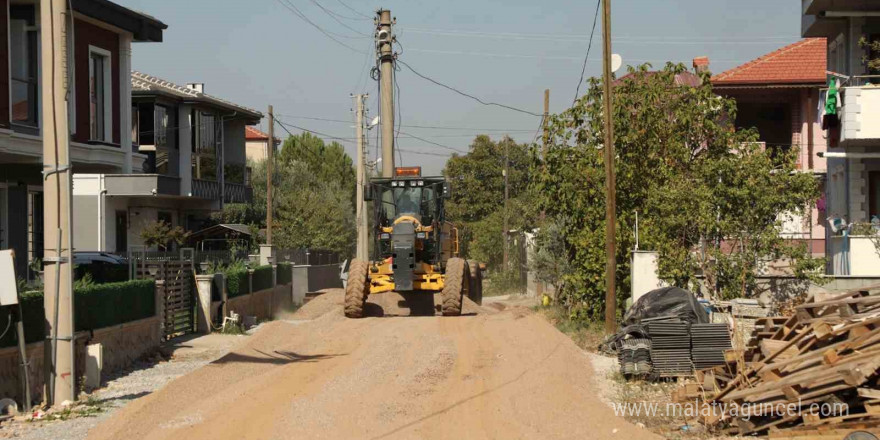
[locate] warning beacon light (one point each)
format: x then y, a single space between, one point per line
408 171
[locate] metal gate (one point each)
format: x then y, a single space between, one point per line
175 289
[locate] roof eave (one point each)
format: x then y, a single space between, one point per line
143 27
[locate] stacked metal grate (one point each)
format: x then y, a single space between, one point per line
634 357
670 347
708 343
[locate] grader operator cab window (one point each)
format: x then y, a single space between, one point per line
410 197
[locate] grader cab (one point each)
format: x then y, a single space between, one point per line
414 248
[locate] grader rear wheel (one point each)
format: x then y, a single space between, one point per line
357 289
455 286
476 292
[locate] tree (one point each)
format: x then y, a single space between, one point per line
477 202
871 59
708 196
163 235
308 212
328 162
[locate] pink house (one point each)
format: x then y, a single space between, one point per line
779 94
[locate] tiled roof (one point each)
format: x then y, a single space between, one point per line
797 63
253 134
143 83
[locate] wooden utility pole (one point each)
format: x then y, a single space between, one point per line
57 184
539 285
270 159
362 240
505 232
384 43
610 182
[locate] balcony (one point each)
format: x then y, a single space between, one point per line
206 189
142 185
860 113
237 193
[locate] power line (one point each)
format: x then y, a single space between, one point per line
431 127
333 15
465 94
549 57
587 56
292 8
659 39
354 10
435 143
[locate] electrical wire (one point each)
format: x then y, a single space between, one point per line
354 10
435 143
292 8
642 39
430 127
466 94
8 326
333 15
587 56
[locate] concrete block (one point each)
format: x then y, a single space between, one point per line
94 365
267 254
300 284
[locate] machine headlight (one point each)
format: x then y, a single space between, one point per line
421 183
412 183
420 235
384 236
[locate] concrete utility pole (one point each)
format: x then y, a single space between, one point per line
270 159
362 243
506 232
610 182
384 44
57 185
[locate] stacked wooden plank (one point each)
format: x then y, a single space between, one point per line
811 371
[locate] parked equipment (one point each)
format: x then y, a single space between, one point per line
414 248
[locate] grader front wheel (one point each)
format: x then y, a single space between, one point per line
357 289
455 286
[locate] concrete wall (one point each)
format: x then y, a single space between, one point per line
644 273
256 150
123 344
864 257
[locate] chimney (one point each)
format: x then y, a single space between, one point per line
701 64
199 87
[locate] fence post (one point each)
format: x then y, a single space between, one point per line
203 290
274 286
251 295
160 306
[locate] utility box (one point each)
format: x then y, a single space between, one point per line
644 273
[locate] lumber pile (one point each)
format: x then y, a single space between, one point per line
802 376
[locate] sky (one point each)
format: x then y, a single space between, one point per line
259 52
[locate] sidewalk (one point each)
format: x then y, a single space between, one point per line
176 358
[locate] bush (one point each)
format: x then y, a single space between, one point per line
95 306
102 273
236 282
262 278
285 273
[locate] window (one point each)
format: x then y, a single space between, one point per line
163 156
135 136
874 195
204 147
35 226
23 45
100 121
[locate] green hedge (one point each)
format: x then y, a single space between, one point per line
96 306
285 273
262 278
236 283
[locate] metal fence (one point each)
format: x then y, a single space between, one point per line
312 257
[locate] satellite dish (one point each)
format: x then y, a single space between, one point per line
374 122
616 62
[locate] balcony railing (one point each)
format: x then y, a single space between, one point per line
206 189
237 193
860 110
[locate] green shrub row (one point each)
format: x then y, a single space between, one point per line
285 273
95 306
262 278
236 283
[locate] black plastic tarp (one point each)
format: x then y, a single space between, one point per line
667 302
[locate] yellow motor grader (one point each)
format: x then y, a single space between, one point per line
414 248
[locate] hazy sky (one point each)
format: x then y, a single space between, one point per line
258 52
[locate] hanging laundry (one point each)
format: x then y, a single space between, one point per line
830 119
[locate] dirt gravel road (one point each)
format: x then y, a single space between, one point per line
503 374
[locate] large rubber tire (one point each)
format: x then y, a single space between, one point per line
357 289
455 285
476 292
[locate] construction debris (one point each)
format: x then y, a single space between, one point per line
802 376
